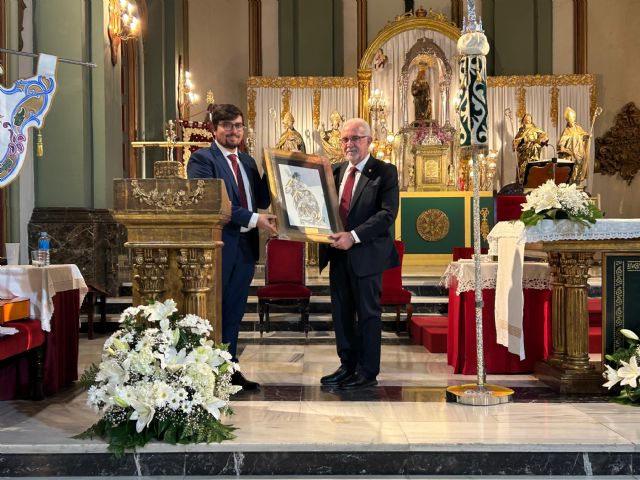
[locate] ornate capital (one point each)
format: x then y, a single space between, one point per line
149 265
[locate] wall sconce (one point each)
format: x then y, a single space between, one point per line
123 25
186 94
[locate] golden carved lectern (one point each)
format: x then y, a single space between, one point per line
568 370
174 229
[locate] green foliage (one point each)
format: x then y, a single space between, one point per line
88 377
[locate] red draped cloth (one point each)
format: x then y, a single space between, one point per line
61 352
461 346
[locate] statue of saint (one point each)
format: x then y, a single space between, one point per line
421 96
527 144
330 139
290 140
572 144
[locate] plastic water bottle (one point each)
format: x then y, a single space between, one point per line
44 244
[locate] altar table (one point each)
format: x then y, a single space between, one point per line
56 293
461 341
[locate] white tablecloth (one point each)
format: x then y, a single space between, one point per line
535 275
39 285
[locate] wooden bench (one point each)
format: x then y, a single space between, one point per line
28 341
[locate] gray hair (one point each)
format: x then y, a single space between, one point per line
360 123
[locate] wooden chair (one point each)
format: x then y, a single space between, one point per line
284 282
393 293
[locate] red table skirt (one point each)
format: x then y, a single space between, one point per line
60 357
461 342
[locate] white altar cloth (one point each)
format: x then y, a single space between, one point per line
39 285
507 240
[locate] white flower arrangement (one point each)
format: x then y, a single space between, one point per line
559 202
161 378
625 369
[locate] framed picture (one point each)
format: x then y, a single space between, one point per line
303 196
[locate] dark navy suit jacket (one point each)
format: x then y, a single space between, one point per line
211 163
374 207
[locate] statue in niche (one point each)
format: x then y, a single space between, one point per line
572 144
528 144
421 97
290 140
330 139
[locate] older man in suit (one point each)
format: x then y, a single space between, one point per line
369 197
247 191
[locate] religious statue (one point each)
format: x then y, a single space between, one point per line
421 96
527 144
379 60
290 140
572 145
330 139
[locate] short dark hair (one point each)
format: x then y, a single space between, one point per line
224 112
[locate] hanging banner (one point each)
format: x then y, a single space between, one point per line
22 106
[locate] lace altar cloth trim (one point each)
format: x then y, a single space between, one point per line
552 230
535 275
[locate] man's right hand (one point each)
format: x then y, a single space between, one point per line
267 221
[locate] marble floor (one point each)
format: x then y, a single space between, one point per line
405 414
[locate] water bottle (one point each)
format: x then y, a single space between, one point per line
44 242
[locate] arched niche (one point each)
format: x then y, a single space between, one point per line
409 36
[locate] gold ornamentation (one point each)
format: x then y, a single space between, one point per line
618 302
484 224
149 265
618 150
251 107
301 82
168 169
540 80
316 108
364 92
555 91
522 101
195 272
168 200
432 225
286 101
593 99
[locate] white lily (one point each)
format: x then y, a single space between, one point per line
612 376
629 372
213 406
143 413
629 334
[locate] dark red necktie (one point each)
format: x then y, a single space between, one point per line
347 193
236 171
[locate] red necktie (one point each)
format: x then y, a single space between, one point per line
236 171
347 193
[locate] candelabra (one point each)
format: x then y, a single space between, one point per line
486 170
382 145
186 94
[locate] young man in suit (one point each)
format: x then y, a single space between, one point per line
369 197
247 191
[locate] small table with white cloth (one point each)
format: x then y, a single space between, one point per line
56 293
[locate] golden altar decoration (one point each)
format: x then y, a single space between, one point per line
174 231
431 166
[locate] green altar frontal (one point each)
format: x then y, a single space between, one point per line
431 224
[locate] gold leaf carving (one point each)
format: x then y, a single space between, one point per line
301 82
316 108
251 107
432 225
168 200
540 80
555 91
618 150
522 101
286 101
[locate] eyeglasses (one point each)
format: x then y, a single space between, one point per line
352 139
228 126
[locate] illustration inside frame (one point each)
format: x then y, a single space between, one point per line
303 195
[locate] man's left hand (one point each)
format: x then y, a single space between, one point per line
342 240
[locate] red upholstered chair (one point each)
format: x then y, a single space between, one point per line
509 207
284 282
393 294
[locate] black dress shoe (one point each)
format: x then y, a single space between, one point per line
356 381
336 377
238 379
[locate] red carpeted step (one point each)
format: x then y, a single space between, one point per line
419 321
595 340
434 339
594 306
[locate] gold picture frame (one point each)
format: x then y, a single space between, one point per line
303 196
